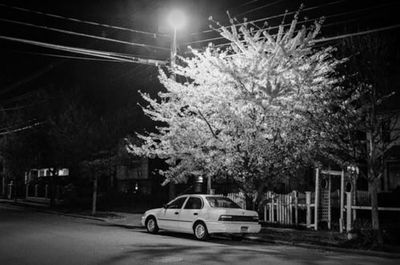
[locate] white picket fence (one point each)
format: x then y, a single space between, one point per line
239 198
284 208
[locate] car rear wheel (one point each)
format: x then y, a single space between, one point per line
200 231
237 237
151 225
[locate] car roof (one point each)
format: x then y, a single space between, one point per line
202 195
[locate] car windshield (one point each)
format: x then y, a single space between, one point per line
221 202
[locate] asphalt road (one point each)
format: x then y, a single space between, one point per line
28 237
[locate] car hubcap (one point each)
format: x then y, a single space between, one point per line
150 225
200 231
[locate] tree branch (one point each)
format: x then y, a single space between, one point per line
208 124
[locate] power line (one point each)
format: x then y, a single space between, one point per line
20 129
67 56
260 7
288 24
27 79
272 17
22 107
345 35
95 53
82 34
154 35
249 2
357 33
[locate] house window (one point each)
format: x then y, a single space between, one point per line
393 171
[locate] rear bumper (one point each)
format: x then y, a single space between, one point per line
233 227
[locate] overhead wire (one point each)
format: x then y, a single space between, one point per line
83 21
303 21
249 2
260 7
67 56
273 17
325 26
95 53
22 107
364 32
82 34
6 132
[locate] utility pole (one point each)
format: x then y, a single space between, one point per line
171 186
176 20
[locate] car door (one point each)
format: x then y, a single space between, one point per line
169 216
190 213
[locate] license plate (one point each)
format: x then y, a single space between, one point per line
244 229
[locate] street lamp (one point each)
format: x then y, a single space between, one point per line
177 20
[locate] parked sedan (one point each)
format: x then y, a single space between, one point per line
202 215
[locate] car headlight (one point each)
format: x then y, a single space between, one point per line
225 218
255 218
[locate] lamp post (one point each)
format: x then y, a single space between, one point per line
176 19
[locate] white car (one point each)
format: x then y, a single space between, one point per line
202 215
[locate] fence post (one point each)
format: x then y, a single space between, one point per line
290 209
265 213
296 208
316 199
341 219
278 208
272 208
10 190
330 203
348 211
282 208
308 204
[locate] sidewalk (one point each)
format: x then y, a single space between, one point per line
324 240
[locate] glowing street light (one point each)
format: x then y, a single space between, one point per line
176 19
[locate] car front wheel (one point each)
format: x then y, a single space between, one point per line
151 225
200 231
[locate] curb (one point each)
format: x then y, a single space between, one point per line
327 248
88 217
44 210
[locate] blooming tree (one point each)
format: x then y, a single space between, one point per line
239 111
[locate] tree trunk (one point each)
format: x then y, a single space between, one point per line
373 190
209 185
171 190
94 199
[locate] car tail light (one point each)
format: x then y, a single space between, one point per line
225 218
255 218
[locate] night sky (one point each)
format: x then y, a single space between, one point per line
106 85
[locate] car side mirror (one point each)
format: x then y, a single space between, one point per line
165 206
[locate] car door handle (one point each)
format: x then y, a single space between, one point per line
195 213
176 212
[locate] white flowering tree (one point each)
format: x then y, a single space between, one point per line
239 111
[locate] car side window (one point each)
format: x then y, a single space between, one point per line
176 204
193 203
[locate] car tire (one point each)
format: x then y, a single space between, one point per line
200 231
237 237
151 225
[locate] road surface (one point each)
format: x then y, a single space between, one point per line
28 237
